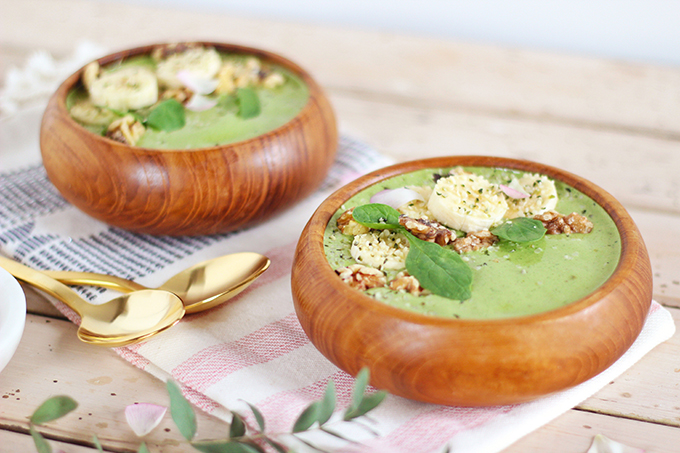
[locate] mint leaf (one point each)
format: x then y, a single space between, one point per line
438 269
168 116
248 103
182 413
376 215
520 229
52 409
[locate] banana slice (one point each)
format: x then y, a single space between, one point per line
381 249
467 202
542 196
202 63
124 89
86 112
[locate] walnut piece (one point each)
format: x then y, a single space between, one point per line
347 224
361 277
126 130
556 223
405 282
179 94
473 241
427 230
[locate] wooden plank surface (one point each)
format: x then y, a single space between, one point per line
612 122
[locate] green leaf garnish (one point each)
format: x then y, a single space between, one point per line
182 413
377 216
143 448
438 269
248 103
168 116
52 409
520 229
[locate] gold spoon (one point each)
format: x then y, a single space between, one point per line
124 320
200 287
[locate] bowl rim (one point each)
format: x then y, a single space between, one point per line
630 248
61 93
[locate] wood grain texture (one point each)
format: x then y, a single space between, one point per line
471 362
189 192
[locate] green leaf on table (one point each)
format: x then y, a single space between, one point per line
226 446
238 426
143 448
182 413
52 409
520 229
307 418
361 402
168 116
97 444
248 103
258 416
327 404
275 445
360 384
376 215
41 444
438 269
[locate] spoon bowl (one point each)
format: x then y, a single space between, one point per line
124 320
200 287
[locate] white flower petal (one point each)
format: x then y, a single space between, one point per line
196 84
198 103
144 417
396 197
513 193
602 444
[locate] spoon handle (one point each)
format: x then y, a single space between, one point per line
45 283
93 279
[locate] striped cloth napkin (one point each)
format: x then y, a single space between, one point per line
252 348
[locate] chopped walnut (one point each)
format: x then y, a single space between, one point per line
475 241
126 130
361 277
179 94
556 223
427 230
347 224
405 282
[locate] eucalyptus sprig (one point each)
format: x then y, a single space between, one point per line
241 439
316 416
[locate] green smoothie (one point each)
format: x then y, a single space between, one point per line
219 125
509 279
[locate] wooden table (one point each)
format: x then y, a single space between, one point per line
617 124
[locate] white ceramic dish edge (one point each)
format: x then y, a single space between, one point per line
12 316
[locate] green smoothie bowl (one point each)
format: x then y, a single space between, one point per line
188 138
472 280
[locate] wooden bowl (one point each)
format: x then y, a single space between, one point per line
471 362
189 192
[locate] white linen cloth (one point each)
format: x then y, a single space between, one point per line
251 348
